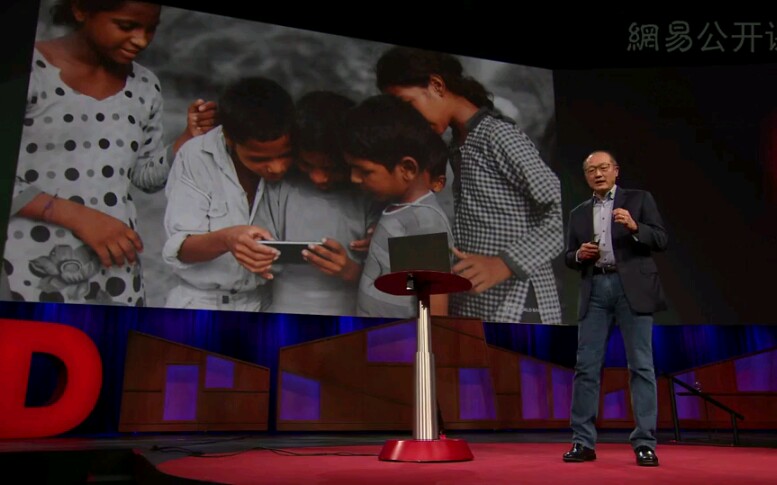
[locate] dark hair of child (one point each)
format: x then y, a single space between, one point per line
439 161
406 66
256 108
62 11
319 123
384 129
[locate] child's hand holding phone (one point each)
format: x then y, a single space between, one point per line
242 243
332 258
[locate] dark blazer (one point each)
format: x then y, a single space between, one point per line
634 260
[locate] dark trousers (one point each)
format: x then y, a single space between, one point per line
608 304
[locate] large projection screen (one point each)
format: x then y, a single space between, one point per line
696 127
195 55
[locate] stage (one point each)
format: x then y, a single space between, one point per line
344 458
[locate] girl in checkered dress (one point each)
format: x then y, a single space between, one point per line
508 225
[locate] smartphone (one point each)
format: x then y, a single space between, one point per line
291 251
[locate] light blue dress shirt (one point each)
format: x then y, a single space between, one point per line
603 208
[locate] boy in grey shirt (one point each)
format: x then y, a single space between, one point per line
390 148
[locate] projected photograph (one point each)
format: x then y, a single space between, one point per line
152 177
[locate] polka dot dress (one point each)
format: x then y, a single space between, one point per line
88 151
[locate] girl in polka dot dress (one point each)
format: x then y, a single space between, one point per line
92 127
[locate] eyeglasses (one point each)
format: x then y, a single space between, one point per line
604 168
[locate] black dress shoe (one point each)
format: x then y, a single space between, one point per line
579 453
646 456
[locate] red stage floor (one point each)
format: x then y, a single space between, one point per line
494 463
352 457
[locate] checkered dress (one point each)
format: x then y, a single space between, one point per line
507 203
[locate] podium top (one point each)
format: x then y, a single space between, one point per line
412 282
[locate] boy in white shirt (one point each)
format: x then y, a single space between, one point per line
214 190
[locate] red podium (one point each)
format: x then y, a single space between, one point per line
426 445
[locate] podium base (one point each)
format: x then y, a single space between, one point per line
426 451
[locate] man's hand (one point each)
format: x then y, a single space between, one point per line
588 251
622 216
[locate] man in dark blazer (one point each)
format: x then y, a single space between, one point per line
610 241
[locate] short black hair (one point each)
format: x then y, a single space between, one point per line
608 151
256 108
62 11
320 117
384 129
438 164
